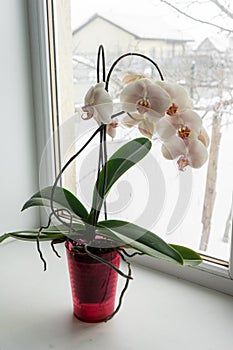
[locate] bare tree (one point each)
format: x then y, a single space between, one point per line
223 6
210 191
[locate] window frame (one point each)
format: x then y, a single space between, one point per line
42 83
207 274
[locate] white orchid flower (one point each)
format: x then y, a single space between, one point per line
98 104
181 130
179 113
190 147
146 98
169 125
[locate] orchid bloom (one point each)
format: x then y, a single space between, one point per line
181 130
179 112
188 143
145 103
145 98
98 104
190 149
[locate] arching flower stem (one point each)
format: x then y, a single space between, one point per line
58 217
126 55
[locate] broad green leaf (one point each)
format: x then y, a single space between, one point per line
189 256
121 161
62 199
42 202
48 234
140 239
31 236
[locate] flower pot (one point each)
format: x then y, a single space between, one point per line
93 284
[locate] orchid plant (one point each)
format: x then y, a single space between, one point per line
156 108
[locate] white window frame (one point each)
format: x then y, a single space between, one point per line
41 75
207 274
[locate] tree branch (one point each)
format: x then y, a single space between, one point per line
222 8
196 19
216 106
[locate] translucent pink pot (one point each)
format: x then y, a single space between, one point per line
93 284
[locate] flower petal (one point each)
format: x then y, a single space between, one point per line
103 113
101 95
173 148
146 128
204 137
131 121
132 93
165 128
197 154
159 99
89 98
153 116
192 120
177 93
131 76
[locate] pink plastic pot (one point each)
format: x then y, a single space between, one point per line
93 284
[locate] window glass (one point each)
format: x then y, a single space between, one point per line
192 208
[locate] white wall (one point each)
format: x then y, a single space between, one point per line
18 179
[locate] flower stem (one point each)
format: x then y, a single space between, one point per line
131 54
100 191
100 54
60 174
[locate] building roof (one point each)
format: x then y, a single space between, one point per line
143 28
216 43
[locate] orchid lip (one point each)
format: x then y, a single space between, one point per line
143 105
172 109
88 111
184 132
182 163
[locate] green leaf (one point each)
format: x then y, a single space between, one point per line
141 239
32 236
62 199
4 236
48 234
42 202
189 256
121 161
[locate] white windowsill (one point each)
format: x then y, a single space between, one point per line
159 311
